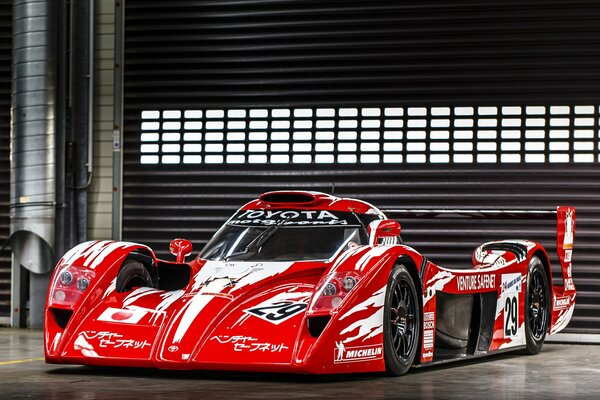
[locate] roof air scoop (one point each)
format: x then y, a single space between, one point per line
283 197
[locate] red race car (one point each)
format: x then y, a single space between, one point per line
303 282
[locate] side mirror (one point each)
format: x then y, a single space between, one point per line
180 248
387 228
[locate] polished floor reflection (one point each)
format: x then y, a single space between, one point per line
560 371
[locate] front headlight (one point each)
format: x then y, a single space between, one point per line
332 291
68 285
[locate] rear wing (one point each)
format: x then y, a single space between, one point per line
472 213
565 227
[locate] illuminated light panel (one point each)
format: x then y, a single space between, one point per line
372 135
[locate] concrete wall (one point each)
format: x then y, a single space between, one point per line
100 194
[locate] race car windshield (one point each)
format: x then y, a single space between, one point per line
286 243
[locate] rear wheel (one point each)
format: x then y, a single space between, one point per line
133 274
401 322
537 306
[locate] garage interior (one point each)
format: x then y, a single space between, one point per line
150 120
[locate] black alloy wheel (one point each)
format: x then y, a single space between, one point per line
402 322
537 306
133 274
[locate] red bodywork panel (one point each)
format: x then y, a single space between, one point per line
256 316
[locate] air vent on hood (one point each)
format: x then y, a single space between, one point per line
288 197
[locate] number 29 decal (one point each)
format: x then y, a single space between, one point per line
278 311
511 287
511 316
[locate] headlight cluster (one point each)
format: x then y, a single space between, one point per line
69 284
332 290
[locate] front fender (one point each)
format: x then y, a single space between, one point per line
104 258
352 341
101 255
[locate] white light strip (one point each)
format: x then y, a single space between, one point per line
371 135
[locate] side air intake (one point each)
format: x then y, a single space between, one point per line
61 316
316 325
517 249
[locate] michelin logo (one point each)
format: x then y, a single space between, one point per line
356 354
562 302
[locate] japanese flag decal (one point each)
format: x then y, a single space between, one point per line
122 316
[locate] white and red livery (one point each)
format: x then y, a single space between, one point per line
304 282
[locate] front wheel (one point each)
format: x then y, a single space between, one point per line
537 306
133 274
401 322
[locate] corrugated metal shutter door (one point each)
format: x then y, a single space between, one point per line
5 96
421 104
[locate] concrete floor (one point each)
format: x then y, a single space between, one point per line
558 372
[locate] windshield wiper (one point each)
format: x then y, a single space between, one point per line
259 240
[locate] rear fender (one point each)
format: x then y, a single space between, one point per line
562 295
562 298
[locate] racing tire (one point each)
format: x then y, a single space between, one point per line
133 274
401 322
537 306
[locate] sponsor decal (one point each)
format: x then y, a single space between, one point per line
569 224
291 217
428 330
250 344
428 338
343 354
429 354
569 285
564 317
106 339
122 316
215 294
568 255
278 311
511 282
429 320
562 302
511 287
475 282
